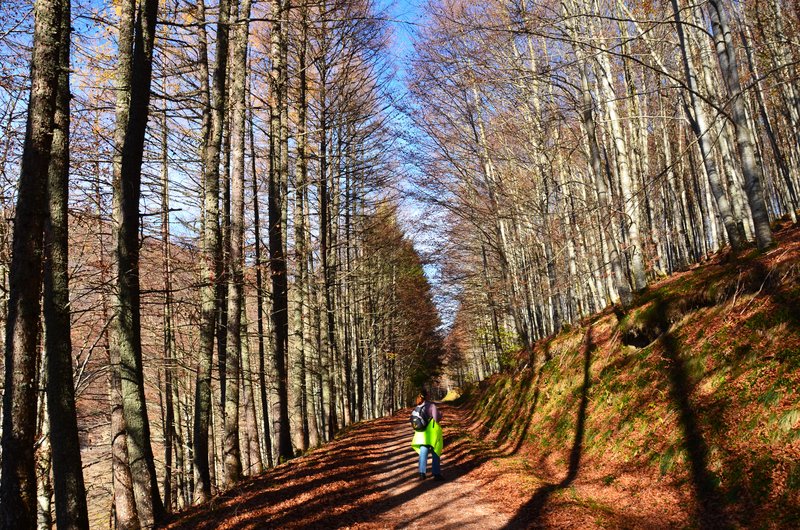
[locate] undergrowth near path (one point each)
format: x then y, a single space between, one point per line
694 391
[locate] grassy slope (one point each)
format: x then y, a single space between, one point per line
697 388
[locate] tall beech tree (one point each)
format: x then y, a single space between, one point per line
233 464
18 481
278 175
135 65
300 409
70 491
213 120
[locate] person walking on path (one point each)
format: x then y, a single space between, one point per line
430 440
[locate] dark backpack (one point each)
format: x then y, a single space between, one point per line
420 418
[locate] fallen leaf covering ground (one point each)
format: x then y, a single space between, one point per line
367 478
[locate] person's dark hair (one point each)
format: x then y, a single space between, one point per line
422 396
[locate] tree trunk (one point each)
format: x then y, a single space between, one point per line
233 464
299 367
252 443
793 204
262 378
702 132
627 192
277 228
44 464
135 72
210 248
327 322
70 492
18 477
123 502
169 333
312 331
753 175
620 284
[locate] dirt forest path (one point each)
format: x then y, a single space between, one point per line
458 502
366 478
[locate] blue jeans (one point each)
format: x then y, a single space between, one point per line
423 459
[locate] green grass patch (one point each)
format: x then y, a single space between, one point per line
790 421
770 396
768 319
667 460
790 357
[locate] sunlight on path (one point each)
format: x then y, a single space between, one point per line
458 502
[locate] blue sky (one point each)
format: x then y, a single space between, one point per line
405 13
416 218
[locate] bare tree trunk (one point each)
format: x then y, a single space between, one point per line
312 362
753 175
277 228
135 72
18 477
325 257
628 196
123 502
702 132
252 443
321 374
777 152
620 283
300 409
233 464
70 492
169 332
182 464
44 464
260 305
210 249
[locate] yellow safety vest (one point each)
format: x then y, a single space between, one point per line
431 436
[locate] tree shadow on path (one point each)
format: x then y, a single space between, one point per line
364 475
501 419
